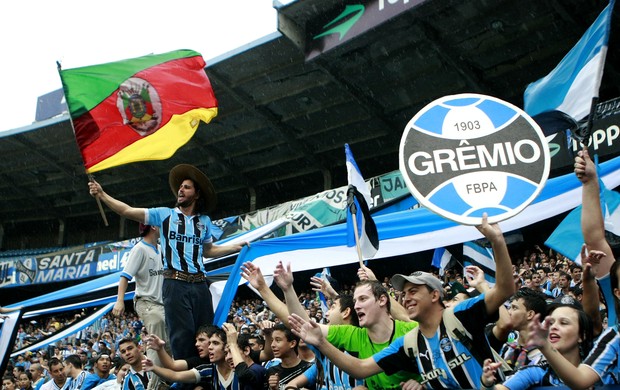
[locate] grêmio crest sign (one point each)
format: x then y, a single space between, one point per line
468 154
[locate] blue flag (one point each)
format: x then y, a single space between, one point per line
441 259
575 81
482 257
358 203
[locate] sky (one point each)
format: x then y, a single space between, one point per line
34 34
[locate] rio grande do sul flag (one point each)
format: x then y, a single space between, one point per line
137 109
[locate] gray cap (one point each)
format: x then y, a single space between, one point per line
418 277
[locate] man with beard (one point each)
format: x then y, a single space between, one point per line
102 367
56 370
185 237
136 378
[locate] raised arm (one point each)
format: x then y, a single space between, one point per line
504 284
157 344
253 274
580 377
592 222
187 376
211 250
231 340
120 208
310 332
591 261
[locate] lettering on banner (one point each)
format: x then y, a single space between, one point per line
67 259
6 273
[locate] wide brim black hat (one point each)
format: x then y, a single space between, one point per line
183 172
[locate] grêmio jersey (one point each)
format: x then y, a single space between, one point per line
181 238
443 361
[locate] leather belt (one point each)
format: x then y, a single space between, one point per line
184 276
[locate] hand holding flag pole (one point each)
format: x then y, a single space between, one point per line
105 219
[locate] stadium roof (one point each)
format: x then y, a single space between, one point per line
283 120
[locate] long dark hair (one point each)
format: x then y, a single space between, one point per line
586 330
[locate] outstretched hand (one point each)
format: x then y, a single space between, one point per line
309 331
154 342
283 276
489 369
253 274
538 332
591 259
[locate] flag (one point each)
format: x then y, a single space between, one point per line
322 299
575 81
481 257
358 201
567 238
137 109
441 259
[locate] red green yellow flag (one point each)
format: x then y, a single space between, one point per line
138 109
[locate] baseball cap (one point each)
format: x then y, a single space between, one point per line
418 277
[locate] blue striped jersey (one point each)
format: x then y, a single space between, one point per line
181 238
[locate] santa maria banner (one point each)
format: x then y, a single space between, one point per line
137 109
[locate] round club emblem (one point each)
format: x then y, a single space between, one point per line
468 154
26 270
139 105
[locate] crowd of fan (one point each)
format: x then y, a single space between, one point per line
96 347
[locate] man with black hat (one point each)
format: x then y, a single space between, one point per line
145 266
185 236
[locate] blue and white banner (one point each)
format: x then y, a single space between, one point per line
405 232
575 81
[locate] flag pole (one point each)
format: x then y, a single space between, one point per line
90 176
356 233
105 220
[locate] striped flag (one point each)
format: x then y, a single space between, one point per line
358 203
575 81
138 109
482 257
441 259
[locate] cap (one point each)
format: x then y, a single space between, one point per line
565 300
418 277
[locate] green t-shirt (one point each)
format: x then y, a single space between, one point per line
355 340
